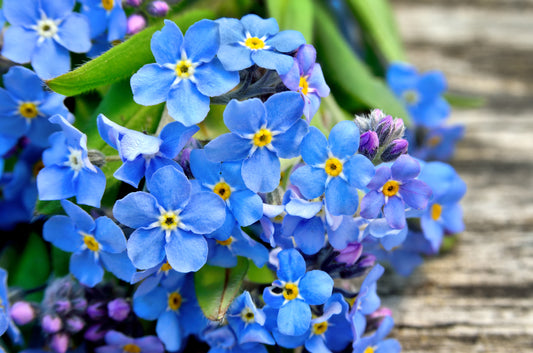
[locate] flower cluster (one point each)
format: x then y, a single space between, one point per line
297 209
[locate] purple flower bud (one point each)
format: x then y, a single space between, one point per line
51 324
59 342
74 324
134 3
80 303
375 319
118 309
136 23
384 129
95 333
394 150
22 313
369 144
158 8
350 254
62 306
96 311
398 125
366 261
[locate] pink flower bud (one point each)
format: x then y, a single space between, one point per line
22 313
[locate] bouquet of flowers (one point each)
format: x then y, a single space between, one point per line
224 176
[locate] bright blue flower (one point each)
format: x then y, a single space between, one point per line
366 302
247 321
253 40
294 291
25 107
260 134
143 154
271 225
394 187
173 303
438 143
334 168
223 253
306 77
225 180
105 15
170 220
443 214
223 340
117 342
376 343
421 93
95 244
379 229
186 72
43 33
67 170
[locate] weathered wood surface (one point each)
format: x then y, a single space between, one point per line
479 297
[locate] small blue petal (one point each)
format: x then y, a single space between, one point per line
169 330
394 212
371 204
73 33
90 187
247 207
187 104
151 84
314 147
309 236
60 231
109 235
294 318
131 172
266 161
291 265
166 44
150 305
175 136
316 287
228 147
58 8
50 59
286 41
137 209
405 168
81 219
170 187
186 251
19 44
213 80
258 27
341 198
282 63
204 213
235 57
119 264
283 110
246 117
20 13
288 143
359 171
146 247
344 139
86 269
310 181
55 183
202 41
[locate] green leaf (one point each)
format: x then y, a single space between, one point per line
261 275
377 21
216 287
60 262
291 14
121 61
33 267
351 81
48 207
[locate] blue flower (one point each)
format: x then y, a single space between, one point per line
392 188
25 107
4 303
254 40
294 291
173 303
106 15
376 343
421 93
186 72
67 170
119 343
170 221
306 77
43 33
95 243
143 154
271 225
247 321
438 143
260 133
223 340
333 168
443 214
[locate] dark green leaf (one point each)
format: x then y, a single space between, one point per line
48 207
296 15
261 275
216 287
60 262
33 267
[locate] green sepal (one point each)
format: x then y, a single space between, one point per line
216 287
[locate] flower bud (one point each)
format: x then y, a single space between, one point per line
74 324
94 333
96 311
96 157
51 324
384 129
136 23
369 144
394 150
62 306
118 309
80 303
59 342
350 254
158 8
22 313
134 3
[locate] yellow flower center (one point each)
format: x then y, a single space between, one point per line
226 242
391 188
410 97
254 43
223 190
290 291
247 315
174 301
168 221
108 5
434 141
369 350
184 69
333 167
28 110
90 242
436 211
320 328
262 137
131 348
165 267
304 86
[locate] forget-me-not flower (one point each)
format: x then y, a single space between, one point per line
106 15
4 304
95 244
67 170
117 342
247 321
186 72
223 340
43 33
334 168
260 134
376 343
170 220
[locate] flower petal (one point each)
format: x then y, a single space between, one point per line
187 104
109 235
137 209
268 163
170 187
314 147
166 44
202 41
86 269
213 80
344 139
316 287
291 265
228 147
61 231
19 44
151 84
186 251
204 213
310 181
49 59
394 212
341 197
246 117
294 318
73 33
146 247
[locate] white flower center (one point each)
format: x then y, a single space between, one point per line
75 161
47 28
